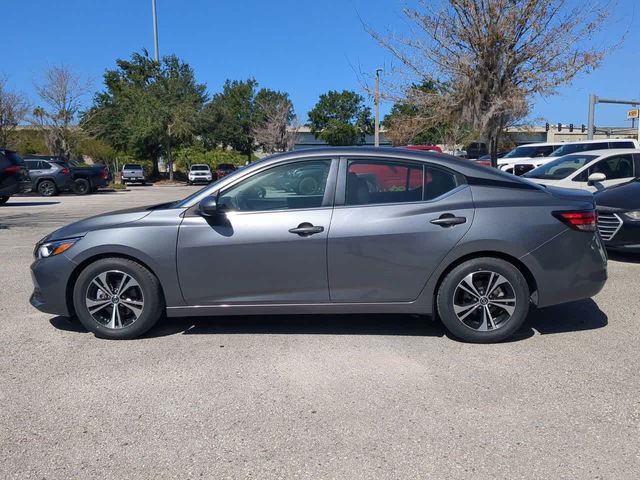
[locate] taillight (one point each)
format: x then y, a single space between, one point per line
66 171
484 163
104 173
585 221
12 169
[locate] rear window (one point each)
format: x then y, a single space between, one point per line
13 157
226 166
132 166
622 145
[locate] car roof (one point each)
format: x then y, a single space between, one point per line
606 152
614 140
541 144
461 165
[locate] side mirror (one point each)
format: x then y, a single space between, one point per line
596 177
208 206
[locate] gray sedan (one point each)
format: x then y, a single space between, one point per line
383 230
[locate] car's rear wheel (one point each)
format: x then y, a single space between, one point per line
47 188
483 300
117 298
81 186
4 199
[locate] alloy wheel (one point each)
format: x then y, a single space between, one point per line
484 301
114 299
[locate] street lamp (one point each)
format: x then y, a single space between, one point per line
155 29
377 102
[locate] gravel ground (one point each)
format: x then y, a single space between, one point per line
344 397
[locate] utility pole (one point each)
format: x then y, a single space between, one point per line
155 30
592 112
377 102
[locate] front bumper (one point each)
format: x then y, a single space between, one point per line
50 278
202 179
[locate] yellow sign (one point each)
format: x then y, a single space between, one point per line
633 114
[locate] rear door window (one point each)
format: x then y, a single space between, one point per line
389 181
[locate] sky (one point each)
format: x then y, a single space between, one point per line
302 47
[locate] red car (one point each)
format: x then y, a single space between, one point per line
432 148
224 169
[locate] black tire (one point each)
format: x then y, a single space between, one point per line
150 293
47 188
81 186
475 327
4 199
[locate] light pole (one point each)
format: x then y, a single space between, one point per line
377 102
155 29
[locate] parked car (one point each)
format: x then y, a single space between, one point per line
86 178
14 177
427 148
199 173
475 150
591 171
132 173
243 247
485 160
48 178
526 153
522 167
225 169
619 216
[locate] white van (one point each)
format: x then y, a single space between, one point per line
526 152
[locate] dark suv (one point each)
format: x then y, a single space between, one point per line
48 178
13 175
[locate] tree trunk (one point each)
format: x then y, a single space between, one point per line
169 160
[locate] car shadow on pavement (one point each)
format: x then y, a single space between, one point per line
571 317
28 204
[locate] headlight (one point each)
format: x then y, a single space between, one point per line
51 249
633 215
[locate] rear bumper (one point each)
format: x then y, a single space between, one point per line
132 179
50 277
572 266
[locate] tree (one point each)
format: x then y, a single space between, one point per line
148 108
408 123
274 130
61 94
245 118
228 120
493 56
13 110
341 118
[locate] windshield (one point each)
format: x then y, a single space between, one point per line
578 147
199 167
523 151
561 167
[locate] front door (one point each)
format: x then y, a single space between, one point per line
398 220
617 168
269 247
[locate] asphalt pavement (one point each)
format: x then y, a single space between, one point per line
313 397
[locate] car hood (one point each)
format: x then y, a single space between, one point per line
625 196
99 222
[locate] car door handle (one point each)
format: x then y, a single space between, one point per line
448 220
305 229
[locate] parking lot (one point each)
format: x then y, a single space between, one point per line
345 397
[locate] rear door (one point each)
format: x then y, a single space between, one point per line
393 222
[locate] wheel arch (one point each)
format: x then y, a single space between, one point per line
88 261
526 272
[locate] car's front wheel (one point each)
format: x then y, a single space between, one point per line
483 300
117 298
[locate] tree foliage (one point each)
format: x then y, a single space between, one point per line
493 56
246 118
148 108
341 118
